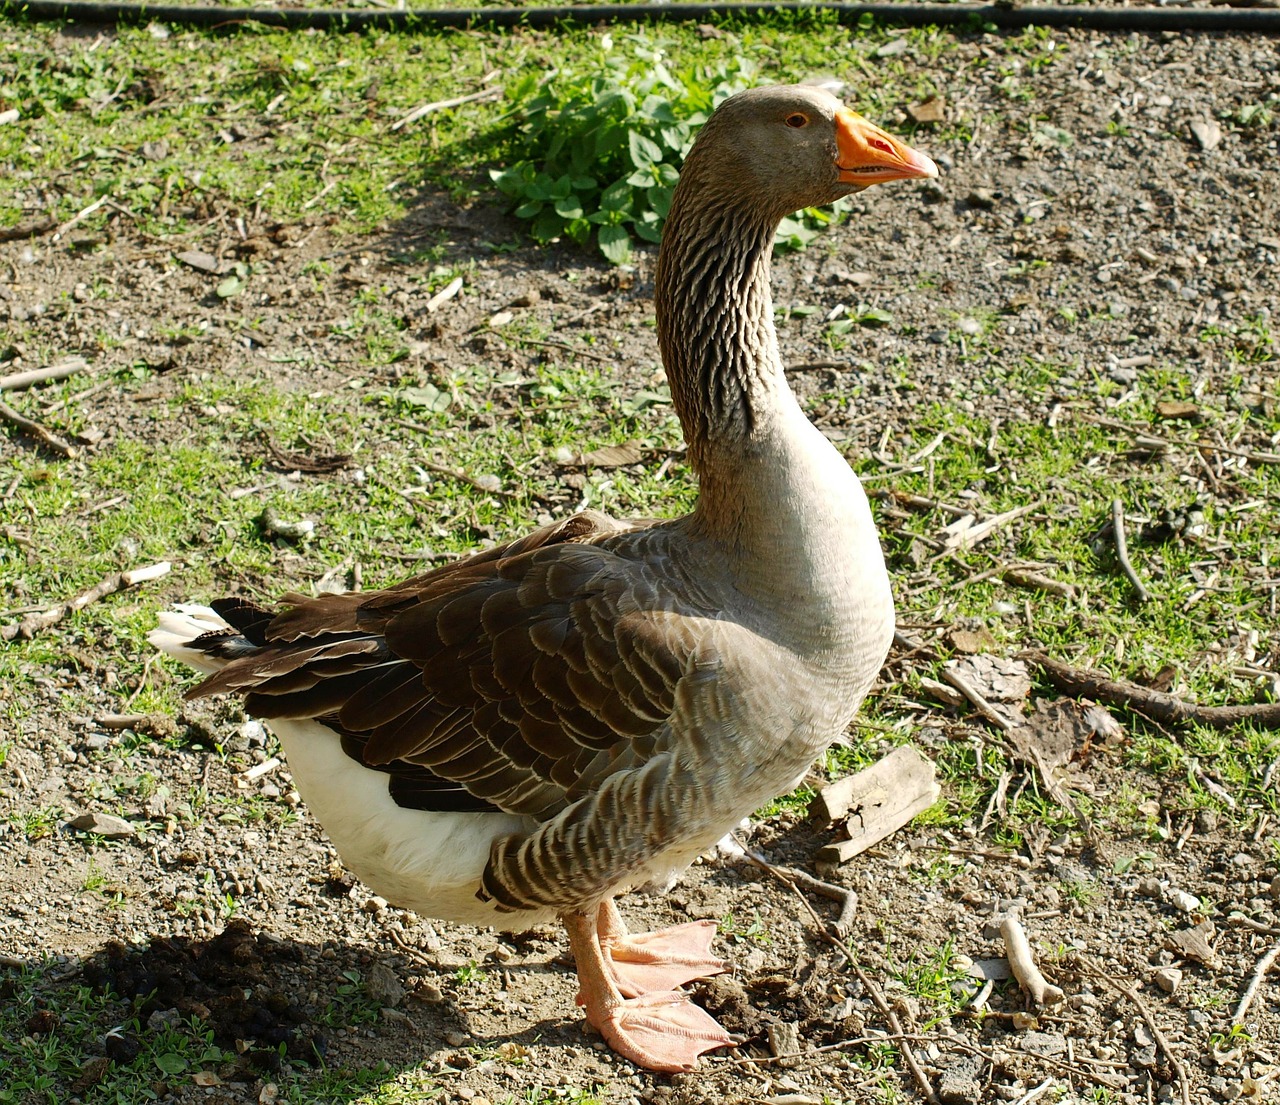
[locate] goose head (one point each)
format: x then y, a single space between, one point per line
783 147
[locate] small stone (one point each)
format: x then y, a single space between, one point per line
454 1038
1206 821
784 1038
164 1018
428 992
960 1083
375 904
1274 889
932 110
1207 133
1180 899
1044 1043
383 987
981 197
1168 979
1150 887
102 824
96 742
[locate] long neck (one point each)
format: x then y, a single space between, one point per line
715 326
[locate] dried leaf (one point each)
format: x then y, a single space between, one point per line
198 259
996 678
1173 408
609 456
1193 943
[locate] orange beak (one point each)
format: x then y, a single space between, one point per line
867 155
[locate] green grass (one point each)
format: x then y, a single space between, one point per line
285 126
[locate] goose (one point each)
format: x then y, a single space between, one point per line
526 733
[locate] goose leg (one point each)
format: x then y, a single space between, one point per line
654 962
661 1031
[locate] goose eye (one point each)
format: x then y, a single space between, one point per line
798 119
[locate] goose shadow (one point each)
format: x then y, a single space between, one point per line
246 1006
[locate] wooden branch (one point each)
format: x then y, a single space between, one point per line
1021 577
989 712
34 623
879 800
439 105
1122 551
1178 443
1018 951
1161 1042
58 371
1259 973
34 429
1157 705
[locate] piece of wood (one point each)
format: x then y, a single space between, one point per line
1122 551
1157 705
60 370
1037 581
439 105
878 801
40 433
1018 951
34 623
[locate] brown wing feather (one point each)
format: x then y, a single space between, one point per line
516 675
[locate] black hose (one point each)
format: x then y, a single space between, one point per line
1002 15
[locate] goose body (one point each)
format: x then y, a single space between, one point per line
529 732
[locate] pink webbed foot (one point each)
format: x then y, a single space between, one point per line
659 1031
659 961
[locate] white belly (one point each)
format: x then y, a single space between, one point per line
425 861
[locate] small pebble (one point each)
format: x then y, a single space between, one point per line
1168 979
1188 903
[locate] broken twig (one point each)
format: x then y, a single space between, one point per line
34 429
989 712
1255 981
60 370
1128 991
1018 951
1157 705
439 105
32 624
1021 577
1122 551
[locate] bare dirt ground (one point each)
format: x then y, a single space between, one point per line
1149 234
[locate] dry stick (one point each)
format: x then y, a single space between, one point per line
58 371
1250 923
30 626
1122 550
470 481
868 983
1157 705
1255 980
1023 966
1177 443
989 712
847 898
1021 577
439 105
1128 991
34 429
565 346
